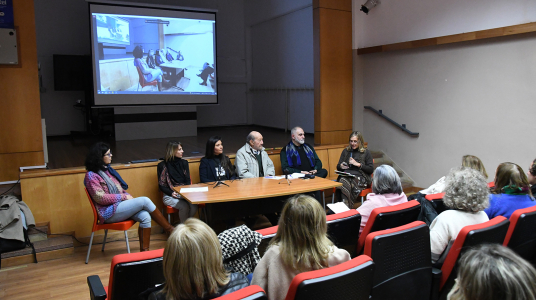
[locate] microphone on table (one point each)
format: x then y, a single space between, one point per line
219 182
286 172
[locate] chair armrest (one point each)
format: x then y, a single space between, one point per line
436 279
96 289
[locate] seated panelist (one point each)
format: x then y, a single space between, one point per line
215 166
300 157
251 160
175 171
112 203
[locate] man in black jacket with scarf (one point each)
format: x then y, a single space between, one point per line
300 157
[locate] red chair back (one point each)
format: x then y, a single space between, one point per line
133 273
492 231
144 83
402 259
343 229
521 235
382 218
437 200
123 225
349 280
252 292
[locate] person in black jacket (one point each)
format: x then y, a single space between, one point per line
193 265
174 171
356 160
215 166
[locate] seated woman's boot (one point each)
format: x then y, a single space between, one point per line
144 235
157 216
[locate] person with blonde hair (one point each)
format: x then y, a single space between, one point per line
356 160
511 191
175 171
301 244
193 265
466 194
493 272
531 176
473 162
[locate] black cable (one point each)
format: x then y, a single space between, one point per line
14 185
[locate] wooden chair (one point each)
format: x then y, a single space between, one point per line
123 226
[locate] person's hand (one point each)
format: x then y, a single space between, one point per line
344 166
313 171
354 162
129 197
305 172
175 195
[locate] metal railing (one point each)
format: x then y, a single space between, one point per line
402 127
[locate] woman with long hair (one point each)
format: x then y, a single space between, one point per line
511 191
172 172
148 73
531 176
113 204
193 265
356 160
216 166
301 244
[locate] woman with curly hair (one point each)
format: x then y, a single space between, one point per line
148 73
511 191
113 204
494 272
301 244
467 194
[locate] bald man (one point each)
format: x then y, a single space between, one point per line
251 160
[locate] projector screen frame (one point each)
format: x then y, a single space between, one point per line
112 104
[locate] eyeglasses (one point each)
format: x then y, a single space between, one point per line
109 154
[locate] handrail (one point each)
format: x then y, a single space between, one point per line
402 127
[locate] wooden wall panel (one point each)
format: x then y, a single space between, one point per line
333 4
333 157
323 156
20 116
10 163
332 33
332 137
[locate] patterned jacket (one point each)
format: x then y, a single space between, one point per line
105 203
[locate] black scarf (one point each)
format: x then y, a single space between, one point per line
177 172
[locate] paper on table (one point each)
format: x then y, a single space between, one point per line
338 207
296 175
194 190
275 177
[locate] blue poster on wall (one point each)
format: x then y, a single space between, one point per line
6 14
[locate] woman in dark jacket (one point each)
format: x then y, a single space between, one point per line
215 166
174 171
356 160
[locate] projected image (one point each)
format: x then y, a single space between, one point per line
161 55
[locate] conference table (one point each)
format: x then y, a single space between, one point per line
176 68
250 196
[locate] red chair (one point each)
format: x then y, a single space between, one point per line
343 229
130 274
362 195
382 218
142 82
252 292
437 200
123 226
403 266
492 231
349 280
521 235
491 184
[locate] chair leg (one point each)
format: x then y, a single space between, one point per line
104 241
126 238
324 199
89 248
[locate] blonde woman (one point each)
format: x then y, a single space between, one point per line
175 171
300 244
193 265
494 272
356 160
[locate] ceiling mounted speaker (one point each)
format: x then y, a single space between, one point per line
370 4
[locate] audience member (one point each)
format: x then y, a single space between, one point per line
215 166
175 171
205 73
493 272
300 244
469 161
386 191
113 204
532 178
511 191
251 160
193 265
466 193
356 160
148 73
300 157
160 57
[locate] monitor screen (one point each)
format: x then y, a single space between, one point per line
148 56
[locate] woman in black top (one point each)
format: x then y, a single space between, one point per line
215 166
356 160
174 171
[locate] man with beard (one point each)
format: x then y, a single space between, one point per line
300 157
